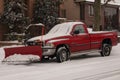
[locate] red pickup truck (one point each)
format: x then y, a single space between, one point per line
74 37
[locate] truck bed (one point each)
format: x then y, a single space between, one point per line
98 36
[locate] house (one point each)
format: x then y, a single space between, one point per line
83 10
80 10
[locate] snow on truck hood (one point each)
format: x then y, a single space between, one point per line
59 30
46 37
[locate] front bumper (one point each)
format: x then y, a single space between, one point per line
47 51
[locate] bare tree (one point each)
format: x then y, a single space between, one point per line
107 1
97 11
97 5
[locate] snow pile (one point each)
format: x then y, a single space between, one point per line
21 58
2 54
16 57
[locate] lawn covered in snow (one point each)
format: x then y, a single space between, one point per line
82 67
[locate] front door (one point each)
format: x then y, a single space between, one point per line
80 39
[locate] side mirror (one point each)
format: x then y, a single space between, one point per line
76 32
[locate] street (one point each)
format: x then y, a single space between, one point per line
82 67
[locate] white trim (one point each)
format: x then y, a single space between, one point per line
57 40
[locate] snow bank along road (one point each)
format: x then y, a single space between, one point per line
89 67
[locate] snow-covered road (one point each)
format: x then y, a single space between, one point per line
89 67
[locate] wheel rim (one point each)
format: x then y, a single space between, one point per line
63 55
107 51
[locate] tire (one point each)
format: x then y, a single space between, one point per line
62 55
106 50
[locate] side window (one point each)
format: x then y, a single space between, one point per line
79 29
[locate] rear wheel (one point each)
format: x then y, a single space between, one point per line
62 54
106 50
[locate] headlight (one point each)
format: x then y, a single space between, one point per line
49 45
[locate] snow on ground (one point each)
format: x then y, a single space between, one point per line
86 67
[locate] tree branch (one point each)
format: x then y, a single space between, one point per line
107 1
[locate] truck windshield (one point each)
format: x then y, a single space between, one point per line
60 29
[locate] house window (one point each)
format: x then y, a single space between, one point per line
111 18
91 10
63 13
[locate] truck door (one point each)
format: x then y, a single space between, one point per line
80 38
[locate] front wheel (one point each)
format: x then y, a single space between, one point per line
62 54
106 50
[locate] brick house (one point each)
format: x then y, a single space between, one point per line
77 10
83 10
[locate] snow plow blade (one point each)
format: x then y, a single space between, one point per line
25 50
